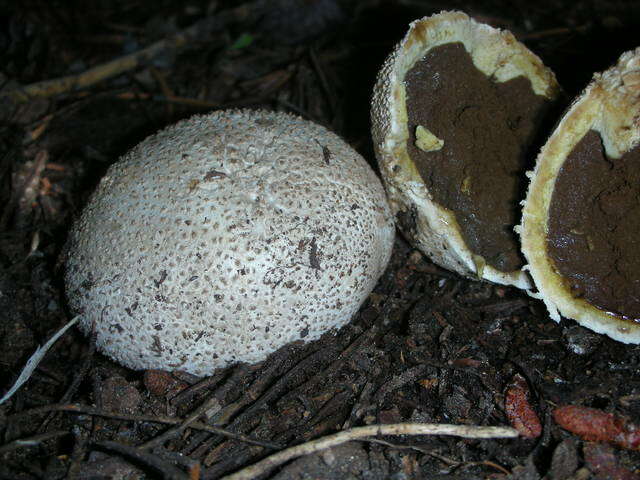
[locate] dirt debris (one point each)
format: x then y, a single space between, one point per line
427 346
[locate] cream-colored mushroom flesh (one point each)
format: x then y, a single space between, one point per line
225 237
581 219
456 114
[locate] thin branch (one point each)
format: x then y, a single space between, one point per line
452 463
167 470
123 64
193 390
86 409
192 466
79 451
35 359
174 432
32 441
359 433
77 380
331 98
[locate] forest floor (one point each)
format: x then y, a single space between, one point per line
428 345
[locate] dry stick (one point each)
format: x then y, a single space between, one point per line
365 394
249 395
189 392
192 466
79 376
77 408
78 453
323 82
258 395
452 463
257 398
238 375
35 359
342 357
31 441
186 423
129 62
167 470
359 433
174 432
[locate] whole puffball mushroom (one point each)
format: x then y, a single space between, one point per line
581 218
225 237
456 109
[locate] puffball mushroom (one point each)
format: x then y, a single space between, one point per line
581 218
455 110
225 237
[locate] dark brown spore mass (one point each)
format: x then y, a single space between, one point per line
594 227
487 128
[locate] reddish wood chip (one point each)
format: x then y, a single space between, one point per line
597 426
519 411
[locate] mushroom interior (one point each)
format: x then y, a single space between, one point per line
470 139
593 225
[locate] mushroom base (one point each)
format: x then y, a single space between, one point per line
475 155
593 225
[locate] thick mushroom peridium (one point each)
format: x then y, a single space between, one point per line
225 237
456 109
581 217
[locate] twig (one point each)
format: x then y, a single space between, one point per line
340 359
364 396
174 432
35 359
192 466
249 395
449 461
78 453
31 441
86 409
167 470
398 381
323 82
78 377
442 458
110 69
191 391
257 396
358 433
25 192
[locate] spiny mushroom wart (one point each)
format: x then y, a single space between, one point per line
225 237
456 109
581 218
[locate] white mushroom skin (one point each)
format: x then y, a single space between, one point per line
435 229
225 237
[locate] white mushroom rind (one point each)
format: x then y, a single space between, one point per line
225 237
610 105
496 53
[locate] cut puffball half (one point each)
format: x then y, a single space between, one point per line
581 219
456 111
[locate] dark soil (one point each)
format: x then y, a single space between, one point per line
428 346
